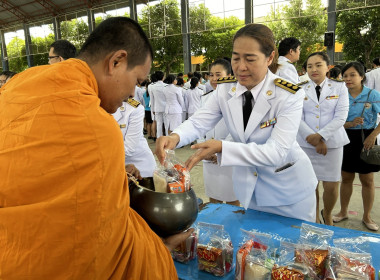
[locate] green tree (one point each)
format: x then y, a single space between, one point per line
359 30
162 24
16 55
75 31
307 23
40 49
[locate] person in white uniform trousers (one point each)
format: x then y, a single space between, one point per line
217 179
158 102
321 134
130 118
271 172
149 89
289 51
174 104
193 97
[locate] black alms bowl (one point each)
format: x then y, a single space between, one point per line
165 213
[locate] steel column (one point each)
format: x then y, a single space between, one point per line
133 10
91 20
28 46
249 18
186 35
4 54
331 26
57 28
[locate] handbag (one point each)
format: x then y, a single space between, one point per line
371 156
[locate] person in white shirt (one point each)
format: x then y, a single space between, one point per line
289 52
189 76
158 103
193 97
200 85
174 104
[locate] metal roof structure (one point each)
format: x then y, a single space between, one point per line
15 12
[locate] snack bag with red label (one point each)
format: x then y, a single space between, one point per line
187 250
314 250
286 267
214 250
254 258
172 176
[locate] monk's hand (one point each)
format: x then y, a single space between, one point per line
165 143
369 142
313 139
174 241
212 158
321 148
132 169
205 149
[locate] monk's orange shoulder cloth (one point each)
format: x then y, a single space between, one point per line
64 200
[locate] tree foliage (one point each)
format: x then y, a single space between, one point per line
305 21
359 30
16 55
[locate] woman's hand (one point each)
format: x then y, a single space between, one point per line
205 149
314 139
321 148
212 158
357 121
165 142
174 241
132 169
369 142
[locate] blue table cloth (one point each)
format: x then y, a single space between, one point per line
235 218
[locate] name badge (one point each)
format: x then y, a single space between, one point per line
123 126
268 123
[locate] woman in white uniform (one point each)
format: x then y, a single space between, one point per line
174 104
321 134
218 179
130 117
271 172
193 97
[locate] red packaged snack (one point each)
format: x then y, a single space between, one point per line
214 250
287 273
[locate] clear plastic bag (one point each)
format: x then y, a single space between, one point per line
254 258
214 249
187 250
172 176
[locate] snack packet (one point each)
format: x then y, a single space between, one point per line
315 250
253 259
172 176
187 250
214 249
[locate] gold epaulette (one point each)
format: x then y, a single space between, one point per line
302 83
336 80
133 102
286 85
231 79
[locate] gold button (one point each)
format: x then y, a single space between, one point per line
317 106
269 92
317 127
255 174
123 126
317 117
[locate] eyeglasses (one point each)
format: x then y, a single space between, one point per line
54 56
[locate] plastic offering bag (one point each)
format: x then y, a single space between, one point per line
172 176
314 250
187 250
214 250
253 259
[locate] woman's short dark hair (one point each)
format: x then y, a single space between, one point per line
224 63
358 67
264 36
170 79
193 82
322 54
334 72
180 82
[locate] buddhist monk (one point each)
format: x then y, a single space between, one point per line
64 200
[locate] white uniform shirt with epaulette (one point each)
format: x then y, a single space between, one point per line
287 71
373 79
158 100
130 118
174 99
269 167
325 116
193 99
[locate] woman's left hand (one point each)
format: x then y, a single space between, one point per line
205 149
369 142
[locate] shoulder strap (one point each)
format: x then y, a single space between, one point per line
369 93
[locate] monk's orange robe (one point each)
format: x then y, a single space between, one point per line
64 200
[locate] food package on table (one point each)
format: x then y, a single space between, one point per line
187 250
172 176
286 267
214 249
314 250
253 259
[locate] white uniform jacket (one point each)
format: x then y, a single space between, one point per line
157 98
287 71
267 160
193 99
139 92
136 148
326 116
373 79
174 100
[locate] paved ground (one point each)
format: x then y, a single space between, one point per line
355 208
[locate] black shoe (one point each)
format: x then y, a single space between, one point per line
150 137
145 131
154 139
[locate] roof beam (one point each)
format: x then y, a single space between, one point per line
48 5
14 10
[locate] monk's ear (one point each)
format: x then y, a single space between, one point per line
117 61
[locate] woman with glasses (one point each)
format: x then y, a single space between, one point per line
364 109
